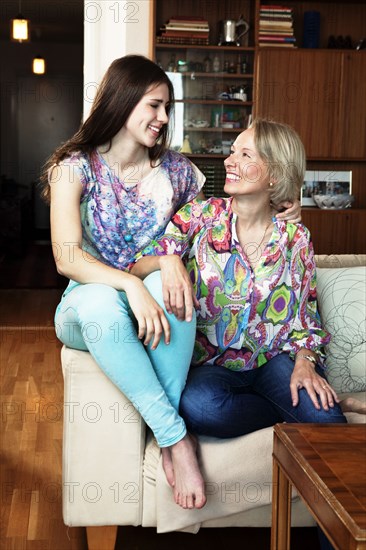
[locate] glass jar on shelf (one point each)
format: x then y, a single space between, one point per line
207 64
172 66
216 65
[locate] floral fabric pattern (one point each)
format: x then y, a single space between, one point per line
119 218
245 317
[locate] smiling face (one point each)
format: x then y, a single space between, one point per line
246 173
149 116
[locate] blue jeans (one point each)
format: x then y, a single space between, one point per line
97 318
222 403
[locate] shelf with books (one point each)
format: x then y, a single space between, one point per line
178 19
275 26
184 29
338 20
211 47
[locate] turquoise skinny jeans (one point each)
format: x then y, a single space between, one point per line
97 318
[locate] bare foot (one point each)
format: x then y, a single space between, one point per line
350 404
168 465
189 491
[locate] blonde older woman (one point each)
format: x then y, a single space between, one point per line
259 352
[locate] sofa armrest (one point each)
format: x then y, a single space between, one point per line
103 447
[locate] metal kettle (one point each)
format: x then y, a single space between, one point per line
229 35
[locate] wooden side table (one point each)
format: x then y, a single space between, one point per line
326 463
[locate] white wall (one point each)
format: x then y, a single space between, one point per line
112 30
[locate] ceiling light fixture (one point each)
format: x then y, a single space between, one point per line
20 27
39 65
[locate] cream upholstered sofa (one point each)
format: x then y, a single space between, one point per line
112 472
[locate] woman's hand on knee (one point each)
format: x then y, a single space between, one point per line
305 376
178 292
151 319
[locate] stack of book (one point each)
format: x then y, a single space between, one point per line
184 30
276 26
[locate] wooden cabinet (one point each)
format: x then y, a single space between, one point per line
321 94
336 231
352 110
301 89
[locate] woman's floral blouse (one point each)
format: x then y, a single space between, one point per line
245 317
112 209
119 218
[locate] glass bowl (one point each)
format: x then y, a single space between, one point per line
335 202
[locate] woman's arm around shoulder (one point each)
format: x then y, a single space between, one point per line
289 211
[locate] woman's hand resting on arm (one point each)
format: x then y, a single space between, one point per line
151 319
305 376
178 292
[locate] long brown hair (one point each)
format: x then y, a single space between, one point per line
124 84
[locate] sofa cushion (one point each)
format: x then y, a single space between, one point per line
238 478
342 306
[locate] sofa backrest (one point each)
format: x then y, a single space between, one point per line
340 260
341 295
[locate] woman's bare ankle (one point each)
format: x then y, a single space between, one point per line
168 465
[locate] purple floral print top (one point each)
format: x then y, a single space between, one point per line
121 218
245 317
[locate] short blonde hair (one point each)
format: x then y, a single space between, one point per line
280 147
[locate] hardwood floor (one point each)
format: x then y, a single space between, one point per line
31 426
31 441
